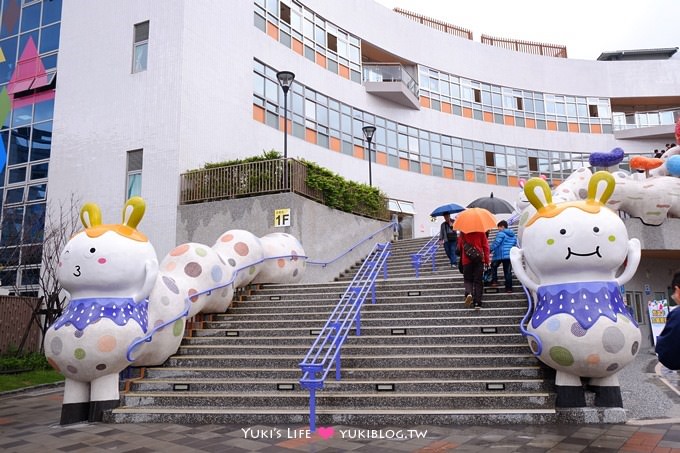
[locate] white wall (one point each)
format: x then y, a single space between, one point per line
194 103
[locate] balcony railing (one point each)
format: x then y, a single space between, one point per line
536 48
390 73
258 178
436 24
623 121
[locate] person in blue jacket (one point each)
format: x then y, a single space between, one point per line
505 240
668 342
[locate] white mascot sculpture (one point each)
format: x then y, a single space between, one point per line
570 256
125 309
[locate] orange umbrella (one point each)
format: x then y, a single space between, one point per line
475 219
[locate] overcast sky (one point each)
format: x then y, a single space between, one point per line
586 27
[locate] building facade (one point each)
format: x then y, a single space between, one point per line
148 90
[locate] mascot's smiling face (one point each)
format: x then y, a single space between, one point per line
574 241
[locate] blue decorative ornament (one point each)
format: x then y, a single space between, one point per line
609 159
3 155
673 165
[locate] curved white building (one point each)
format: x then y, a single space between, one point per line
148 90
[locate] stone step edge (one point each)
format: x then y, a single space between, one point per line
347 347
344 380
348 370
368 337
458 326
372 357
328 393
320 411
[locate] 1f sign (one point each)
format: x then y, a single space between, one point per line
282 217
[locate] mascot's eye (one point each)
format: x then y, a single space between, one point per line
563 231
596 229
92 250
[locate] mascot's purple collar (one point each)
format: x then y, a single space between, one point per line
80 313
585 301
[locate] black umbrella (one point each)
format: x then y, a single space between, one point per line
493 205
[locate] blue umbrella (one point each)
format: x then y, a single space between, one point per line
450 208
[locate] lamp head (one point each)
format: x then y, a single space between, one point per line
368 132
285 79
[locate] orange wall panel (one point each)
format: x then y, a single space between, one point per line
381 158
595 129
321 60
358 152
552 125
509 120
425 169
531 123
335 144
513 181
488 117
491 179
446 107
573 127
297 46
469 175
425 102
467 112
403 164
258 113
344 71
310 135
448 173
273 30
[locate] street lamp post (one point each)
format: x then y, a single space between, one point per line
285 80
368 133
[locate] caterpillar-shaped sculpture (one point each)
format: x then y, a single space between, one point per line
126 309
571 256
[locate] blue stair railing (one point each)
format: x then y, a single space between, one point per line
325 351
426 252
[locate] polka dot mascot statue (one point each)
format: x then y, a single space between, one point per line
126 309
580 325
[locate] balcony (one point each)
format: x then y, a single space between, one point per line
655 124
392 82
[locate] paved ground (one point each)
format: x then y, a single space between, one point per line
29 423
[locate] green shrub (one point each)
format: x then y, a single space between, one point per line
31 361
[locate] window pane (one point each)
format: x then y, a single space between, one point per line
18 146
140 58
49 38
134 185
42 141
142 32
51 11
30 18
34 223
39 171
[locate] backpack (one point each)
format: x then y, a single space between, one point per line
473 254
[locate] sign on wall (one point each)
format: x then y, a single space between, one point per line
282 217
658 310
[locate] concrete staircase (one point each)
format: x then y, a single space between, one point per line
422 357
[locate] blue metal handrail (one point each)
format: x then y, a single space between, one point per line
325 351
392 225
426 252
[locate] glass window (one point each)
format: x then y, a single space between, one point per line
22 115
18 146
141 45
15 195
51 11
43 110
135 160
39 171
49 39
41 142
30 17
16 175
37 192
34 223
